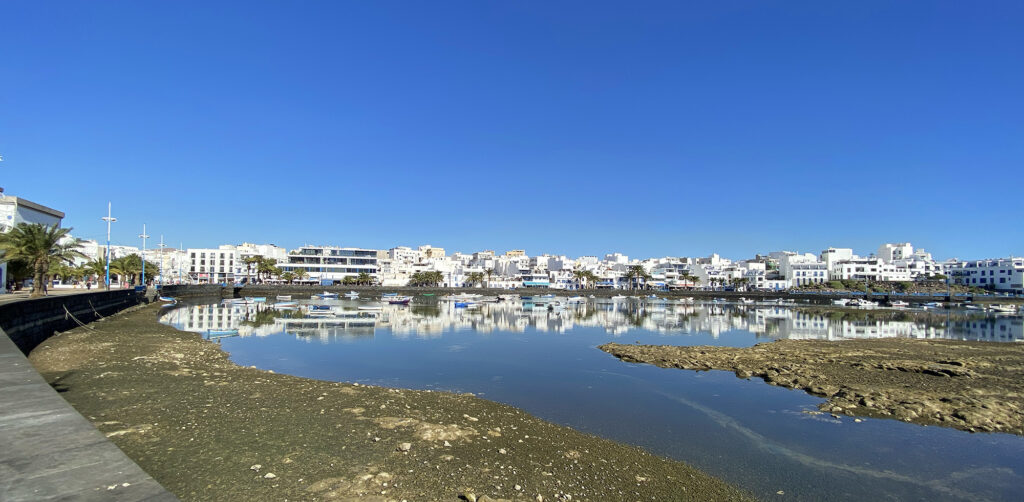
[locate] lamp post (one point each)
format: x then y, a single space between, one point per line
144 237
109 219
162 246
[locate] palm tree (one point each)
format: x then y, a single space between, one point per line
489 273
636 273
288 276
299 273
96 267
249 262
39 245
579 275
590 278
473 278
364 279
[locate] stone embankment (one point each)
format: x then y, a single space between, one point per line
973 386
210 430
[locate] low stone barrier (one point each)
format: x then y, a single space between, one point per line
30 322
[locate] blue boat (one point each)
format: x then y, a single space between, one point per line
319 307
168 299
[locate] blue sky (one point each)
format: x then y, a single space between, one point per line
648 128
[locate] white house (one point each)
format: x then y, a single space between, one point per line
1000 274
15 210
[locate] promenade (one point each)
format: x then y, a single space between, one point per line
50 451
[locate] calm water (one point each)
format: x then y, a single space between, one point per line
546 362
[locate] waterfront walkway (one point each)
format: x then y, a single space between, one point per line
48 451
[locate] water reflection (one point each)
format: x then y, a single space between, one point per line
425 320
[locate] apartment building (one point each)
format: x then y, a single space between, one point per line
1001 274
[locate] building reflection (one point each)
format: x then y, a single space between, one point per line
433 319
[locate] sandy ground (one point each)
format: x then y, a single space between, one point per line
208 429
973 386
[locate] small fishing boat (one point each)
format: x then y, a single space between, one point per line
899 304
284 297
371 307
463 305
860 302
746 300
427 294
619 297
314 308
256 299
1003 309
327 296
932 305
575 299
525 297
399 300
840 302
285 305
172 304
168 299
352 295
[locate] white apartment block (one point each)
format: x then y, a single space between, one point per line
1001 274
869 269
331 265
212 266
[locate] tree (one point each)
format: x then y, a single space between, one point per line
97 267
579 275
266 266
250 263
591 278
349 280
636 273
288 276
473 278
364 279
39 245
431 278
489 272
300 273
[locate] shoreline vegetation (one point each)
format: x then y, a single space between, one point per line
971 386
208 429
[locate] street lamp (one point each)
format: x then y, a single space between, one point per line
109 219
162 256
144 237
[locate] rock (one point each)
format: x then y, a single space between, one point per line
517 488
468 496
405 447
256 467
446 443
269 475
502 451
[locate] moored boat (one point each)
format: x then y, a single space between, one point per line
899 304
352 295
326 295
284 297
840 302
1003 309
399 300
168 299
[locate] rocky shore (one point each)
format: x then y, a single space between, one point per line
208 429
973 386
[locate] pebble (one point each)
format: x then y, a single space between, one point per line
502 451
256 467
269 475
405 447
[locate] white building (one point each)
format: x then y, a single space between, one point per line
331 265
1001 274
212 266
868 269
15 210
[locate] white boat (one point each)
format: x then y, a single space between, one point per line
256 299
575 299
746 300
371 307
899 304
285 305
840 302
284 297
860 302
352 294
326 295
1003 309
619 297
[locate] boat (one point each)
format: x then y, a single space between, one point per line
284 297
575 299
746 300
168 299
256 299
860 302
222 332
399 300
285 305
463 305
932 305
525 297
371 307
321 308
237 301
385 295
1003 309
591 297
326 295
619 297
840 302
898 304
427 294
172 304
352 295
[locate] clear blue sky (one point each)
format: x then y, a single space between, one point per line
648 128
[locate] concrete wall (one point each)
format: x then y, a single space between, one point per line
195 290
30 322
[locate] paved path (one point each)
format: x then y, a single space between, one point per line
50 452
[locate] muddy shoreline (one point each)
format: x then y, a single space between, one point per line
972 386
208 429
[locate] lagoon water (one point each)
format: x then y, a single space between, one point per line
751 434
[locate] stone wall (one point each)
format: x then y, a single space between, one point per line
195 290
30 322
